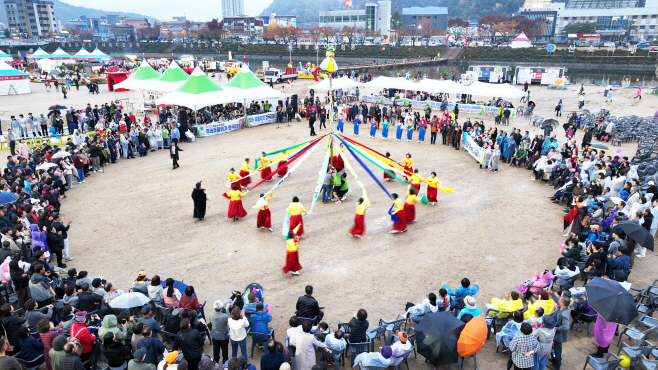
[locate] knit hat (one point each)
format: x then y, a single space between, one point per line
59 342
80 316
548 322
469 302
171 357
387 352
140 353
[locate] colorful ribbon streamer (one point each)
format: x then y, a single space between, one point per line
364 167
321 174
349 167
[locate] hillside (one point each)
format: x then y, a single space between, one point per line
307 10
65 12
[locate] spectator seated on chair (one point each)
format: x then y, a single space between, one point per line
87 300
148 320
188 300
33 315
31 348
117 354
510 330
536 285
170 294
461 292
294 329
619 262
564 274
71 360
110 324
7 362
544 303
358 325
82 278
511 303
250 306
415 312
375 359
70 296
139 362
469 308
153 345
336 341
172 359
271 360
57 351
307 306
173 321
321 328
195 322
400 346
571 251
112 293
581 306
97 287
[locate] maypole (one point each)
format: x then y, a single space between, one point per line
329 65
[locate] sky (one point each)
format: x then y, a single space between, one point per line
198 10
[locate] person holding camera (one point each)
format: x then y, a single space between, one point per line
80 331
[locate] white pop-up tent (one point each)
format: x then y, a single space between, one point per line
521 41
5 57
13 81
478 88
336 84
385 82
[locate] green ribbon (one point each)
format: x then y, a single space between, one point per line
286 149
358 151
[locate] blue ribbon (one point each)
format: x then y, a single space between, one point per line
364 166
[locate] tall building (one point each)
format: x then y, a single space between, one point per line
429 21
611 18
375 17
232 8
113 19
33 17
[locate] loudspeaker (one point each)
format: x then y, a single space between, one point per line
391 93
294 103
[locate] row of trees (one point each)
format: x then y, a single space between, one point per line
491 25
318 34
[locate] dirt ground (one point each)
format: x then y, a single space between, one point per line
496 228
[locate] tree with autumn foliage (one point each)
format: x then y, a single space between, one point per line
315 34
533 28
456 23
349 32
487 23
288 33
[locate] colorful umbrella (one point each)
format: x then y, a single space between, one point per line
7 197
473 336
177 284
57 107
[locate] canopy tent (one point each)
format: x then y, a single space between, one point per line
521 41
39 54
59 54
138 79
97 54
478 88
197 92
172 79
336 84
13 81
5 57
391 83
245 85
83 54
438 86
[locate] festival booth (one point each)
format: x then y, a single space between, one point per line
337 84
60 57
170 80
137 80
5 57
384 82
47 64
83 55
13 81
246 87
115 76
521 41
99 55
39 54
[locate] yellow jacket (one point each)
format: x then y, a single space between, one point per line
416 178
292 245
407 162
411 198
236 194
245 167
296 209
266 206
548 306
233 177
264 162
399 205
506 306
361 208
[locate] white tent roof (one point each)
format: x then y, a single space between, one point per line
198 97
13 81
336 84
82 54
522 37
6 57
391 83
99 54
38 54
135 81
439 86
159 85
259 92
478 88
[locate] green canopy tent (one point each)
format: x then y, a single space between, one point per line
246 85
137 80
170 80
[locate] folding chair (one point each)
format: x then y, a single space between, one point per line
261 338
604 363
391 326
357 348
636 352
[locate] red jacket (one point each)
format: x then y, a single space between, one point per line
81 332
77 163
189 302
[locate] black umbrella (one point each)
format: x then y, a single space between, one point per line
436 338
611 300
57 107
637 233
599 146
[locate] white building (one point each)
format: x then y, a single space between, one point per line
232 8
33 17
611 16
375 17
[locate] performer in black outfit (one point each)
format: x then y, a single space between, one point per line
199 198
174 153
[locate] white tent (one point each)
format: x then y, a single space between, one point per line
39 54
5 57
336 84
246 87
521 41
48 64
391 83
478 88
439 86
13 81
97 54
83 54
197 92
